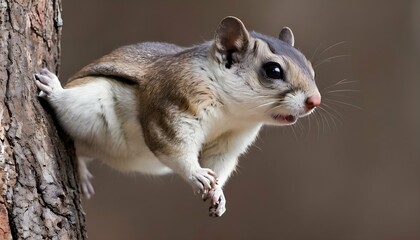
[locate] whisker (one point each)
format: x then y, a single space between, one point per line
346 81
300 127
329 115
264 104
316 50
275 107
344 90
294 133
331 58
333 120
309 124
337 114
260 97
341 82
320 122
297 129
323 122
330 47
316 121
327 123
337 95
333 101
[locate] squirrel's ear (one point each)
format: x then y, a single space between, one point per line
231 36
286 35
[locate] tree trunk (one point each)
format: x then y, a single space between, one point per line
39 192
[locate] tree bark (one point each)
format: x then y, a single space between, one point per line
39 191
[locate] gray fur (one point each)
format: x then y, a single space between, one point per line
283 48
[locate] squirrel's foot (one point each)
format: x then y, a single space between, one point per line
85 178
217 201
86 184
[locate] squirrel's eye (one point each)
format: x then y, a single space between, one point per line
273 70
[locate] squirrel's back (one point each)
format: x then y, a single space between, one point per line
126 63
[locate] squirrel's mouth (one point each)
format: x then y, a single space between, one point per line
287 119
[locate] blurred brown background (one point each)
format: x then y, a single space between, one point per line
355 179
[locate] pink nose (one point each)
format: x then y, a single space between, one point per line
313 101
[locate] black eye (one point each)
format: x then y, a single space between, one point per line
273 70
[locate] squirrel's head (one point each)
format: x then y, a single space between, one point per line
263 76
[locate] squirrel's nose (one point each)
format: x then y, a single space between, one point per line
313 101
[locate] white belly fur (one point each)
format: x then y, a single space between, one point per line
114 135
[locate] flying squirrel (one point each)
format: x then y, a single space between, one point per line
158 108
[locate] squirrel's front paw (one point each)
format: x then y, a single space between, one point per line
217 201
203 180
47 82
